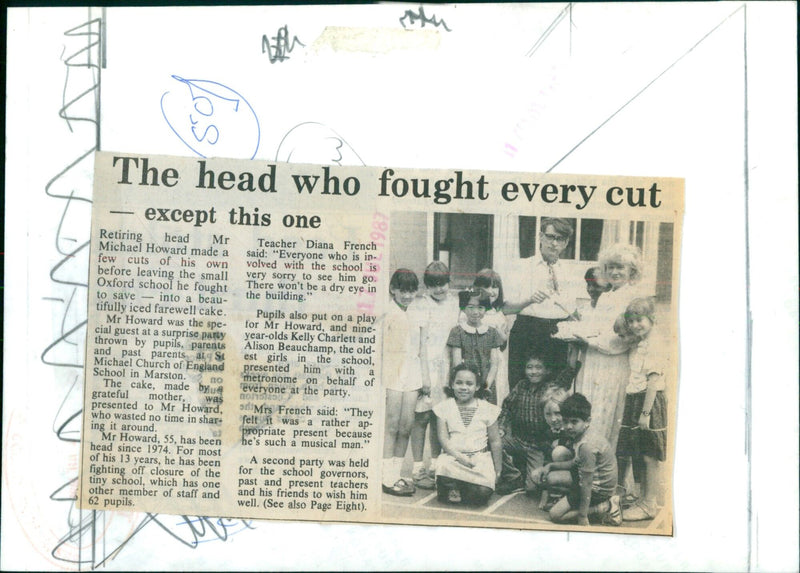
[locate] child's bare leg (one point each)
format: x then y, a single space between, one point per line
639 468
408 402
394 401
639 474
390 471
623 463
421 423
555 482
561 454
562 512
647 507
559 480
652 482
421 420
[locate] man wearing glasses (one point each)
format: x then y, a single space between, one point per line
548 303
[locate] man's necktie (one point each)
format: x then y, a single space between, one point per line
553 280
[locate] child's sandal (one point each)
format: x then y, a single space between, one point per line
400 488
639 512
628 500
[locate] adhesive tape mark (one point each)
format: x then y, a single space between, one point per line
375 40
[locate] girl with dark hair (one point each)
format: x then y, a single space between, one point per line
404 376
475 342
491 283
471 458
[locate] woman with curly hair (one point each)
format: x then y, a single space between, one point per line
605 370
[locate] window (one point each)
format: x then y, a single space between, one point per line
590 235
527 237
463 241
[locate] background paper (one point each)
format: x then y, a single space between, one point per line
701 91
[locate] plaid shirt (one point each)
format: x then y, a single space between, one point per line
523 413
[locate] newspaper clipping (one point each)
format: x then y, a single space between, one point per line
371 344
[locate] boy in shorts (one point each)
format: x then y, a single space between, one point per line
594 470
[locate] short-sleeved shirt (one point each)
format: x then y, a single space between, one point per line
471 438
523 413
593 454
476 345
440 317
645 359
401 342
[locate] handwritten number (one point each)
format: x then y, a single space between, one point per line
205 133
194 99
202 93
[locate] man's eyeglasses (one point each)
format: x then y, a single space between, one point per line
555 238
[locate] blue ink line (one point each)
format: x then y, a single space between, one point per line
236 108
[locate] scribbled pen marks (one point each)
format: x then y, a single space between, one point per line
90 538
194 530
313 142
279 46
211 119
189 531
421 18
72 189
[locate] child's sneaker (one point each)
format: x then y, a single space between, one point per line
423 480
614 515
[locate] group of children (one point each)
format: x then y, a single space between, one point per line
443 371
423 337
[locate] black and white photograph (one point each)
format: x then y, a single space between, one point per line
495 323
